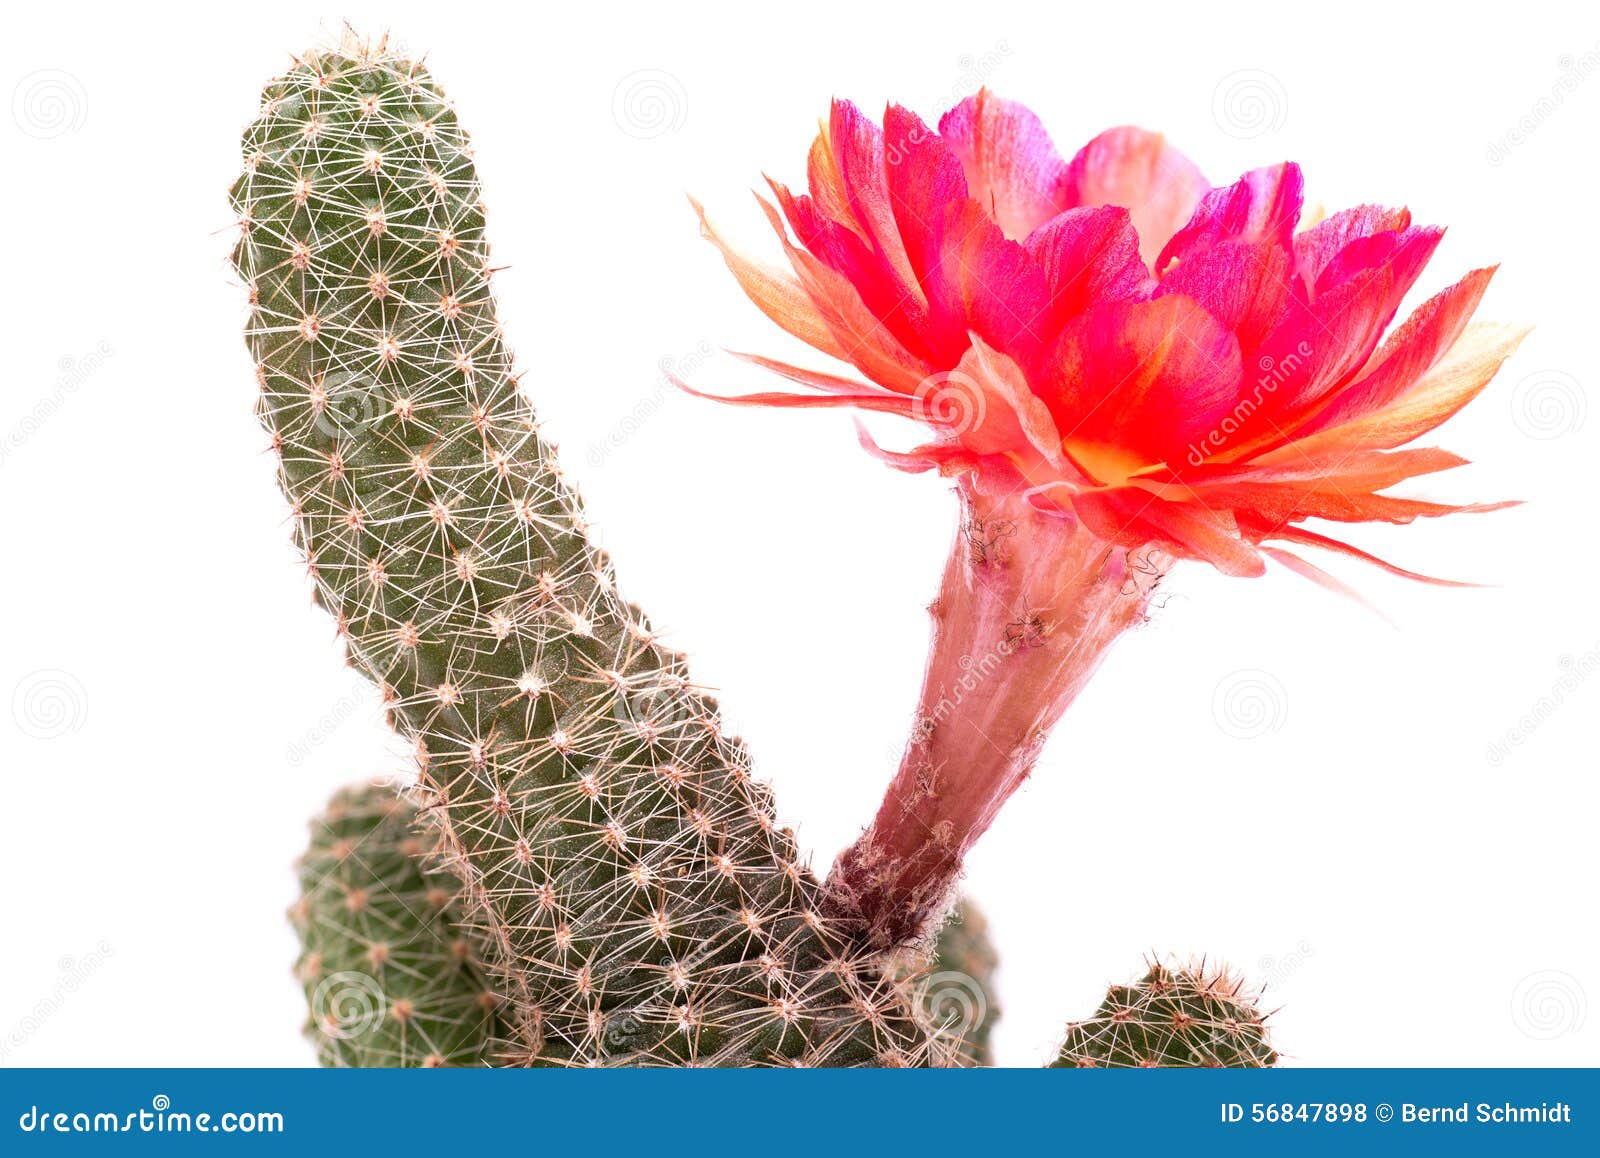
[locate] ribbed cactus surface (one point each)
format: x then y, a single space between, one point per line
636 900
1185 1017
391 979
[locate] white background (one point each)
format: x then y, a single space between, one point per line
1265 773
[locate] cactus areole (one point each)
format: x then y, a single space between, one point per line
1122 367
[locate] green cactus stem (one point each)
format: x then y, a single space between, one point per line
953 989
391 979
1183 1017
637 901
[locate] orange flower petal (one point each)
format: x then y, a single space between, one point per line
1455 380
777 295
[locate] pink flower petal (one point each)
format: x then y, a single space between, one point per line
1012 167
1317 246
1088 255
1139 171
1245 285
1263 205
858 148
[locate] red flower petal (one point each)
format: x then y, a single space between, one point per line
1002 292
1312 539
883 403
1088 255
1275 505
862 338
1323 341
1144 378
858 149
924 180
1349 468
1318 576
945 458
891 300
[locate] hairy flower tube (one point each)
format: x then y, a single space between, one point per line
1122 367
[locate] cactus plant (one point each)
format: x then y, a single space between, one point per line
620 882
637 900
391 977
1188 1016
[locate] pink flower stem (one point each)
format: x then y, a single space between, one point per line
1028 608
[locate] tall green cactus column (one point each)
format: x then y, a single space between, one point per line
637 902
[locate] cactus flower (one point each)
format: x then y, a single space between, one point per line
1121 367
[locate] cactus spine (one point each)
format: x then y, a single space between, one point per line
391 979
637 902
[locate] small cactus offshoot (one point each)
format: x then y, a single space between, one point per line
1187 1016
955 991
391 977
